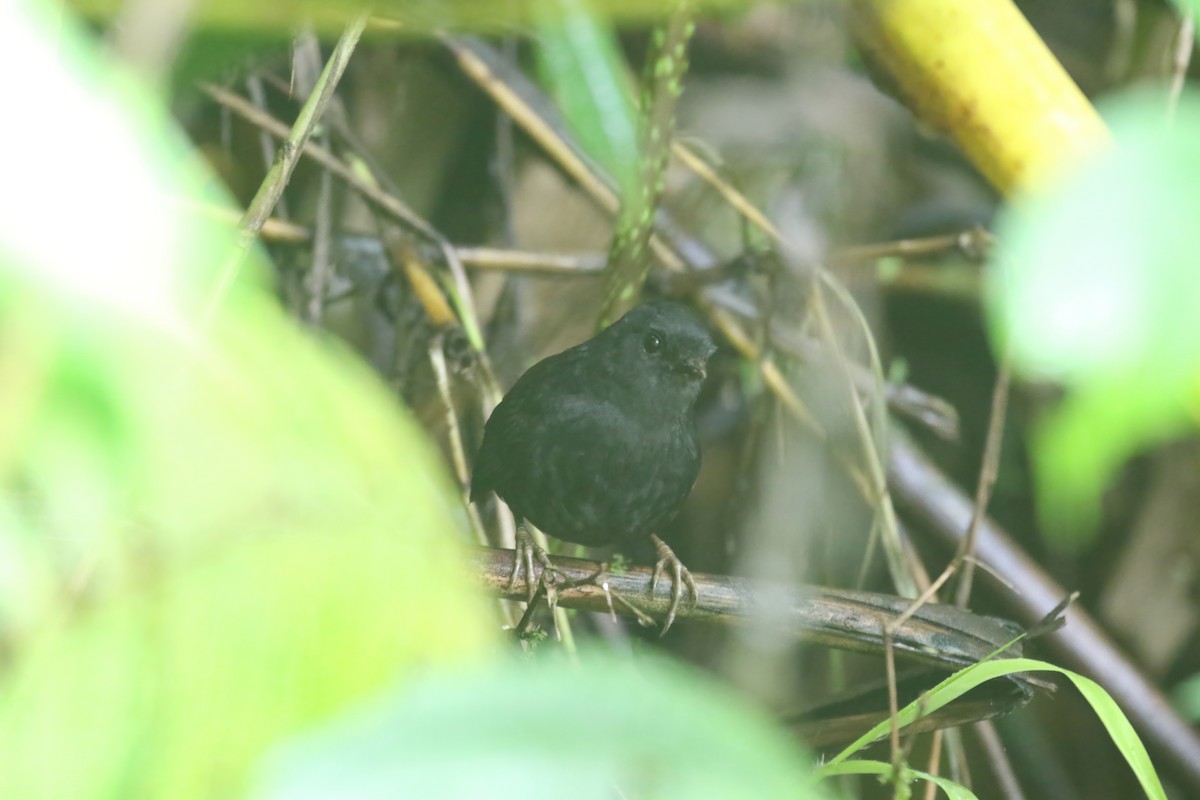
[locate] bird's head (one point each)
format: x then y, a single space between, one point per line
664 347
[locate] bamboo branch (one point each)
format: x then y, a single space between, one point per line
938 635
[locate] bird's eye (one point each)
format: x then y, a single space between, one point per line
653 342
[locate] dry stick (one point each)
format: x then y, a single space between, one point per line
306 66
528 262
503 158
389 203
974 243
321 273
988 472
987 480
889 660
1006 779
403 254
983 490
281 172
904 575
458 456
935 762
525 261
960 767
437 357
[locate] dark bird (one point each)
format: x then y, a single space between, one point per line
596 445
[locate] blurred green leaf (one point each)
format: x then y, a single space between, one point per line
1187 5
598 728
1186 698
583 68
216 532
421 17
1096 287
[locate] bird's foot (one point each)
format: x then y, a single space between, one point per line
526 553
600 579
680 577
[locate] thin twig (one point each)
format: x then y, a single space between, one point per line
258 96
277 178
934 765
974 243
532 263
387 202
903 574
306 69
1002 769
988 472
889 655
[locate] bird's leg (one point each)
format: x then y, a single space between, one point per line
526 553
680 576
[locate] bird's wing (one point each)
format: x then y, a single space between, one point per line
508 441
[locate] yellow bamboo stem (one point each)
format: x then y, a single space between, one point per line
978 72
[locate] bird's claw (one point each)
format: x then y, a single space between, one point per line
680 577
528 551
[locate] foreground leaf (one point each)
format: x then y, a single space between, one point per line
216 532
596 729
1096 287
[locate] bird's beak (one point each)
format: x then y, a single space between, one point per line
696 367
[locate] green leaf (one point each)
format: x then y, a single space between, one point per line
525 730
1114 720
582 66
955 791
1095 287
216 532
